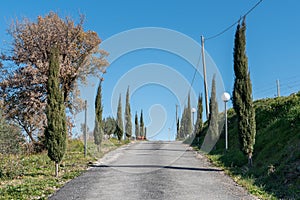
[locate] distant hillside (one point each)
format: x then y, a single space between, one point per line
276 151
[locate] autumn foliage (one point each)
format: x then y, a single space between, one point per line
23 76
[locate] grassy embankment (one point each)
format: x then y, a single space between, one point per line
32 176
276 170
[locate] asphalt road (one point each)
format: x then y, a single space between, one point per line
152 170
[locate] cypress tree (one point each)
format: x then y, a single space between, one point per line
213 129
137 126
189 124
199 120
128 123
242 94
142 125
98 130
177 128
56 130
182 127
118 131
185 126
119 120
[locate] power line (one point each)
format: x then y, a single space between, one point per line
212 37
193 80
191 85
287 86
229 27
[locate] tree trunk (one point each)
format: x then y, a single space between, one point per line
56 169
29 133
99 147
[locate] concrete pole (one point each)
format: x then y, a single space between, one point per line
205 79
226 128
85 128
278 88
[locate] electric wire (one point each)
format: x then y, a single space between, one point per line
288 85
190 87
236 22
209 38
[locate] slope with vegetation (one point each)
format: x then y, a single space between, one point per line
276 158
30 176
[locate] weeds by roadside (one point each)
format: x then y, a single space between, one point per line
275 173
31 176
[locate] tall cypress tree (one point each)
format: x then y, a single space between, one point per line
142 125
56 130
189 123
214 111
213 129
119 120
186 127
242 94
177 128
182 126
128 123
199 120
137 126
98 130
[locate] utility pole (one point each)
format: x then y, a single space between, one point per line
205 79
278 88
85 128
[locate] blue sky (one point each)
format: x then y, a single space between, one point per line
273 47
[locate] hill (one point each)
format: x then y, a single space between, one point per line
276 158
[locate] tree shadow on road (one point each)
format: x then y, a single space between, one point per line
157 149
159 166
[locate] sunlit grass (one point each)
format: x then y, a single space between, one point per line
32 176
276 170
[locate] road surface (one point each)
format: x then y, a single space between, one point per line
152 170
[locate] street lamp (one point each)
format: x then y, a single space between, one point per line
193 111
226 98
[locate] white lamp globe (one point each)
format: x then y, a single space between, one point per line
225 96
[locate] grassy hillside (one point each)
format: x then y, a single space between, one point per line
276 156
32 176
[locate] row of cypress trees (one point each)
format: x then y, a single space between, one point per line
56 131
242 104
140 129
185 127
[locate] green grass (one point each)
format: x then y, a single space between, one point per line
276 170
32 176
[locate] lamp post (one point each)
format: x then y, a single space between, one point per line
193 111
193 123
226 98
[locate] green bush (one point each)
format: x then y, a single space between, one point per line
11 167
11 139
